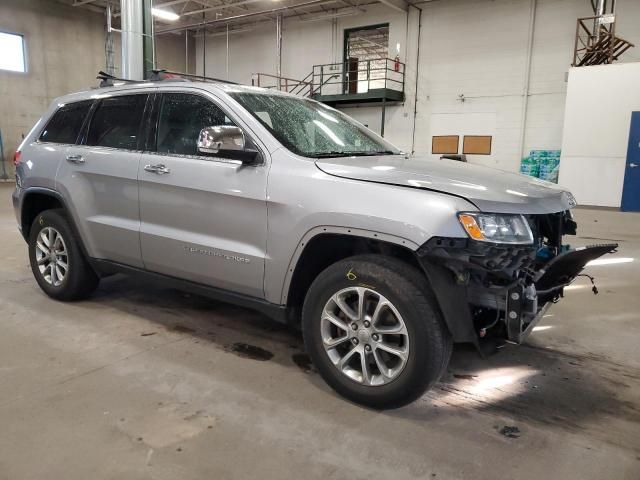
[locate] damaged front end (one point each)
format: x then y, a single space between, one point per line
489 290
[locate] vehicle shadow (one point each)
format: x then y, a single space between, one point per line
524 384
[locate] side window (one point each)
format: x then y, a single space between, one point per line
117 122
66 123
181 118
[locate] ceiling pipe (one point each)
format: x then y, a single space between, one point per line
330 16
245 15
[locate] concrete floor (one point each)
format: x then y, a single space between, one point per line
144 383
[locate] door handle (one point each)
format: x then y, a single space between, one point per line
159 169
75 158
633 165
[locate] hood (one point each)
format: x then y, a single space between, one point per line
489 189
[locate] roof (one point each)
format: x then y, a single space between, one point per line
164 84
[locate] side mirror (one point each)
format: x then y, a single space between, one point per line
226 141
222 137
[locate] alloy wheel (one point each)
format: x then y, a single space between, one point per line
364 336
51 256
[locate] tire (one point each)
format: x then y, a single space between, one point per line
421 348
75 282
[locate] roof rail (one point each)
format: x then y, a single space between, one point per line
160 75
108 80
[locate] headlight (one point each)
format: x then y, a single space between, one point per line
496 227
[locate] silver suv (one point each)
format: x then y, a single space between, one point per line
285 205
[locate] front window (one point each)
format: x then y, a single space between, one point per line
312 129
182 116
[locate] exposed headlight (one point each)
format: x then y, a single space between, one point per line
496 227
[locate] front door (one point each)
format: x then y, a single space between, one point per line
203 218
631 188
100 176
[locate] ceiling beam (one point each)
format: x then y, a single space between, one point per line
400 5
244 15
221 7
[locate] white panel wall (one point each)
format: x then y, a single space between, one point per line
475 48
596 131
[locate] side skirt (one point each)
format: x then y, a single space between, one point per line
278 313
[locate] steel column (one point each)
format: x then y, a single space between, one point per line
132 35
148 41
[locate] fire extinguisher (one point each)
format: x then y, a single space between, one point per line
396 63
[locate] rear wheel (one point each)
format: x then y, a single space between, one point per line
57 261
373 329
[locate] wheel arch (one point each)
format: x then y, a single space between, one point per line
325 245
35 201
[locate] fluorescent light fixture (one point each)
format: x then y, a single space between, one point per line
609 261
165 14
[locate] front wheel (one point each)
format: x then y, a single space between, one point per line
373 329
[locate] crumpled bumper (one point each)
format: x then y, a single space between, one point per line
482 286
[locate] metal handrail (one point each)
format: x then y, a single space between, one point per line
391 74
345 72
303 83
282 83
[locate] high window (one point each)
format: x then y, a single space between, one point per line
12 52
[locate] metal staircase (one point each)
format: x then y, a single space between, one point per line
596 41
366 81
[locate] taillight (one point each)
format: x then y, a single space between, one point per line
16 157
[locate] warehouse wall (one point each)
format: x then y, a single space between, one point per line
65 50
475 48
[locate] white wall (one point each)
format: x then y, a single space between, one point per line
65 49
476 48
596 131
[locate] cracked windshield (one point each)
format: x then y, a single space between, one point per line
312 129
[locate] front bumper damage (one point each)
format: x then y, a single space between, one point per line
501 291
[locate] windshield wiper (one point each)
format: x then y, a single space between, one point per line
362 153
378 152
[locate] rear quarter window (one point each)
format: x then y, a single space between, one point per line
65 124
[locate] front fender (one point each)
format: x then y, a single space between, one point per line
348 231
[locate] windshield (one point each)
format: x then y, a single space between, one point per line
312 129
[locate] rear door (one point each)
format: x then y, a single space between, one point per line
62 129
100 177
203 218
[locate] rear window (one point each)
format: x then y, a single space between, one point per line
66 123
117 122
